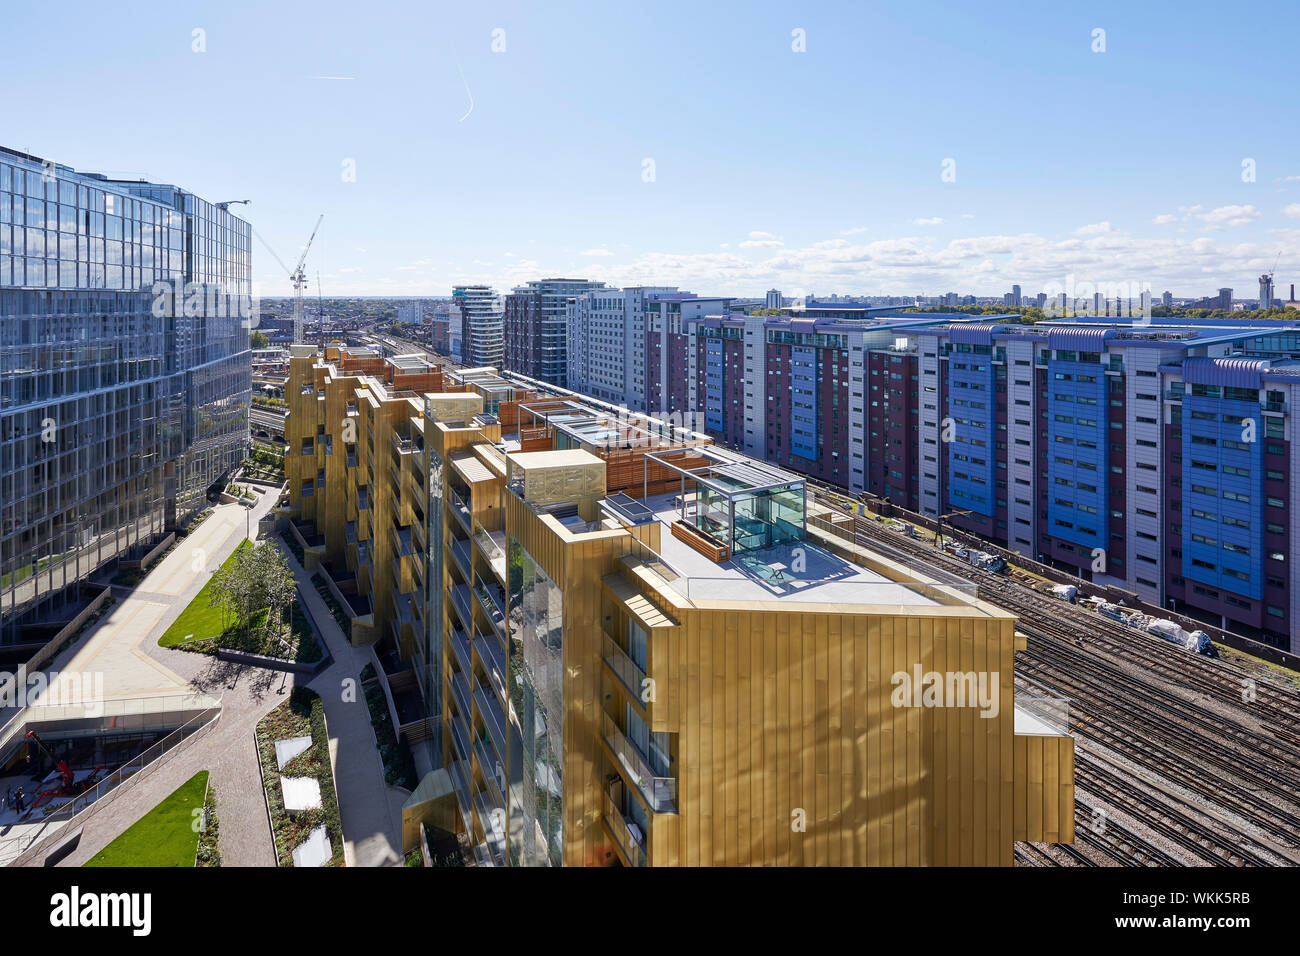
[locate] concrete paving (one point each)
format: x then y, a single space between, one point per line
119 652
124 650
369 808
125 644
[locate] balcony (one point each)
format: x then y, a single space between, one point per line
628 672
493 660
402 609
623 832
492 544
460 551
660 793
460 782
401 539
493 826
493 599
460 601
402 446
1040 712
460 692
461 510
460 648
488 764
494 720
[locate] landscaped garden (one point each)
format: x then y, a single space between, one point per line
168 835
302 715
209 852
264 465
248 605
291 542
336 609
399 764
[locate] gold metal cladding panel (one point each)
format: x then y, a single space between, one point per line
1044 797
789 751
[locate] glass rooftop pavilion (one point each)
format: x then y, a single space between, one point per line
573 424
745 505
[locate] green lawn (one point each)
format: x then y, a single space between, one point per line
199 620
167 835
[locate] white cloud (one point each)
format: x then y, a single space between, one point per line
595 252
761 243
968 215
855 230
755 234
1229 216
932 221
1165 219
1095 229
1292 211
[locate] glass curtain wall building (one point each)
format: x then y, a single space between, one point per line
124 373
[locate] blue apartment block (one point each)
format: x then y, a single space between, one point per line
1078 440
972 405
1223 475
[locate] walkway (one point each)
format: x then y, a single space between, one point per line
124 650
370 809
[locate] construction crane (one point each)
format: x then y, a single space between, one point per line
296 276
223 206
299 280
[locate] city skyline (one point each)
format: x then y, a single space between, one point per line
407 131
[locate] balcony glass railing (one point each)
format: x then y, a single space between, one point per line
460 691
460 551
460 601
620 827
493 659
493 719
493 826
460 649
492 598
460 780
488 764
492 544
460 740
629 673
659 792
460 508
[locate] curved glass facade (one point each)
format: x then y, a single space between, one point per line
124 373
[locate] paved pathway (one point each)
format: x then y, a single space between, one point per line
370 809
127 643
124 648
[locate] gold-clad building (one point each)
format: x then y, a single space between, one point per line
636 648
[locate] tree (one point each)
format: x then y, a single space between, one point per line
258 340
277 583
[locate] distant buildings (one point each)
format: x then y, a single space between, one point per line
536 335
773 300
476 332
1266 291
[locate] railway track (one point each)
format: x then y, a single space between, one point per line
1210 755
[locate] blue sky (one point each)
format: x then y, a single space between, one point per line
812 171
